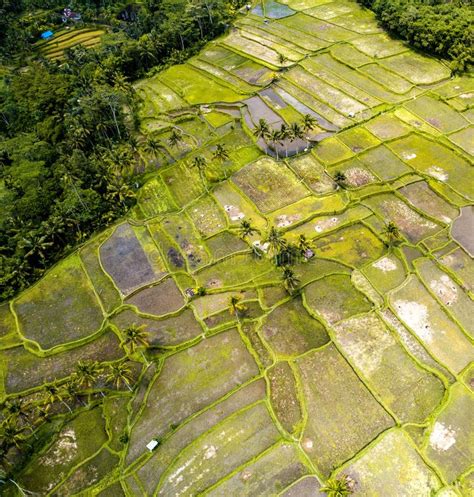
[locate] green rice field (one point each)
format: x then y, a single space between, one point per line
362 372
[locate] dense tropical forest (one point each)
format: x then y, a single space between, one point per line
68 159
442 27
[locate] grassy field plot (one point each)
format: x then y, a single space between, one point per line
419 69
392 81
387 127
291 331
181 230
349 55
195 88
423 198
189 381
386 273
312 173
158 300
334 298
284 396
437 114
77 441
448 293
183 436
410 392
392 466
330 33
63 40
411 224
276 469
464 139
450 438
269 185
237 440
355 245
60 308
437 161
208 218
343 416
424 316
24 370
459 263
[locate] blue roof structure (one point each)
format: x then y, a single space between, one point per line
46 35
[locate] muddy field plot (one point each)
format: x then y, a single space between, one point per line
128 261
269 185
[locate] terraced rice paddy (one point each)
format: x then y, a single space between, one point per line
64 39
365 371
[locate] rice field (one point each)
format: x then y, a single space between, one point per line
365 371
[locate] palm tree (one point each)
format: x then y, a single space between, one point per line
15 408
12 433
236 307
275 240
220 153
246 229
119 374
340 179
72 390
308 124
338 487
296 132
152 147
86 373
175 137
274 138
200 163
284 134
281 58
135 336
53 395
392 232
262 129
304 244
290 281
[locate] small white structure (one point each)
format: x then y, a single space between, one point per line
151 445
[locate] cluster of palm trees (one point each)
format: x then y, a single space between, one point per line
286 133
19 419
285 254
338 487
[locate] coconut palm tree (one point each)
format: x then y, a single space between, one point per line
281 58
275 240
200 163
308 123
12 433
337 487
152 147
176 137
72 391
284 134
262 129
53 394
246 229
392 232
290 281
340 179
220 153
86 373
304 244
236 307
296 132
135 336
119 374
274 138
